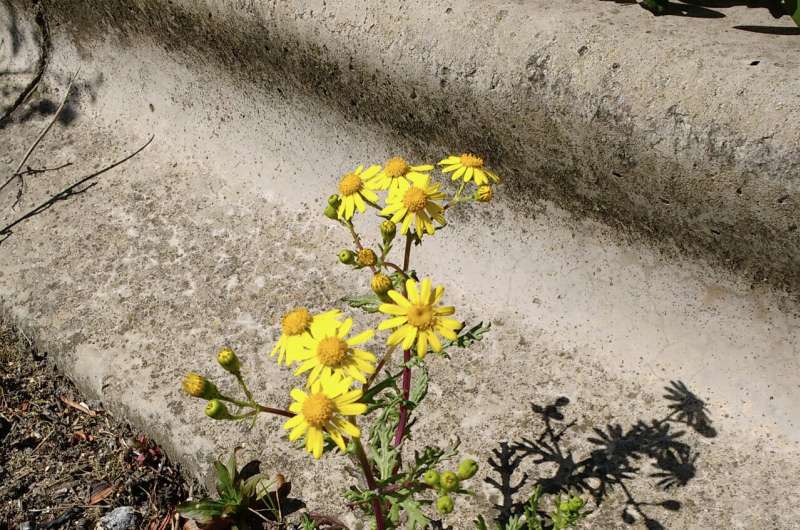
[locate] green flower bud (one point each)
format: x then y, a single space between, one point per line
366 257
331 213
431 478
449 481
347 257
217 410
467 469
198 386
334 201
228 360
445 504
381 284
388 231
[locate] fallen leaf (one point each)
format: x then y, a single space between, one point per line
78 406
100 492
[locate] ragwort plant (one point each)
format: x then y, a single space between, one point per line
344 382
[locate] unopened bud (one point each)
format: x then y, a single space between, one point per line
331 213
445 504
467 469
388 231
198 386
381 284
217 410
334 201
347 257
229 361
484 194
449 481
431 478
366 257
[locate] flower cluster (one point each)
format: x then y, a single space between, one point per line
342 378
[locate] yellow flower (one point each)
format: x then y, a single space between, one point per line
322 411
418 318
414 200
396 172
469 167
295 331
330 352
354 189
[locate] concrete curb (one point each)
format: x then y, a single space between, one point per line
684 128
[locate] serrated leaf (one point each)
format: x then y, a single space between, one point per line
412 509
384 454
468 337
419 386
368 303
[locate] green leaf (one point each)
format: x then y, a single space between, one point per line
202 511
384 453
416 519
389 382
469 337
419 386
233 468
480 523
224 479
368 303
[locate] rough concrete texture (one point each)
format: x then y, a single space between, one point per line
683 127
214 231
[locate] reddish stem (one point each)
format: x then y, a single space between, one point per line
401 426
365 466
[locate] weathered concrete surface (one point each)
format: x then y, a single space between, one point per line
214 231
683 127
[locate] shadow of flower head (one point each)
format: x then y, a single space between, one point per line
689 409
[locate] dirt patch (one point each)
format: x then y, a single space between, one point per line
64 461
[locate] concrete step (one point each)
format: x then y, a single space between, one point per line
215 230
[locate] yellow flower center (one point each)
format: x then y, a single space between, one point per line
350 184
420 316
296 322
332 351
470 160
318 409
415 199
396 167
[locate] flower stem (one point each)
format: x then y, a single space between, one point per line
357 240
376 502
258 407
406 389
407 257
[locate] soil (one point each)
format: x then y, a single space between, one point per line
64 461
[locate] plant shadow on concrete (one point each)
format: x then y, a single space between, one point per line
19 94
619 455
710 9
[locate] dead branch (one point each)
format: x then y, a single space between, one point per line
66 193
33 146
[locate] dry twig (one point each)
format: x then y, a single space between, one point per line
68 192
17 174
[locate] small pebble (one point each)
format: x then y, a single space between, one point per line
122 518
